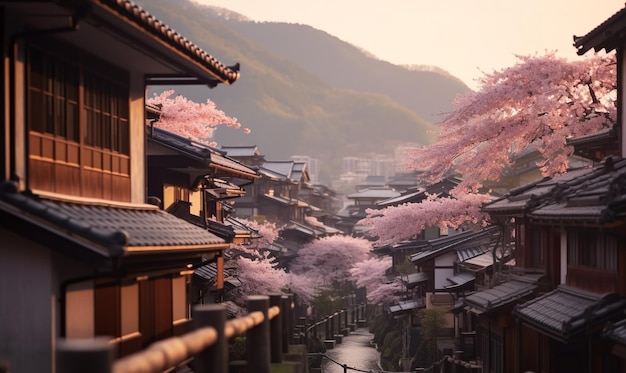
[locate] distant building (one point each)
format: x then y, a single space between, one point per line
374 165
312 165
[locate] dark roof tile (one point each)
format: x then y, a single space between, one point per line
595 195
608 35
148 23
616 331
499 295
211 157
564 312
120 228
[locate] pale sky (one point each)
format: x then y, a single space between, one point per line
464 37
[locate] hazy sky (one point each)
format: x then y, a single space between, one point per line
464 37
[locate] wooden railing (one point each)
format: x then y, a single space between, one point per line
338 324
268 327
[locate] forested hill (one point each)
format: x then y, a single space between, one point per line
303 91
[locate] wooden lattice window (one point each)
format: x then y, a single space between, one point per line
78 120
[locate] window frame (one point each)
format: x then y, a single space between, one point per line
69 93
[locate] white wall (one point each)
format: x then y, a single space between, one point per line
442 274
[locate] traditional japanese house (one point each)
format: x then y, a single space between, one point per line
573 232
440 260
194 181
276 195
417 194
84 252
587 216
362 200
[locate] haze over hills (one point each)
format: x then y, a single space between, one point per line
303 91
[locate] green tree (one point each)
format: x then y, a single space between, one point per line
433 319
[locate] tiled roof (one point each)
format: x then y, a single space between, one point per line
411 197
499 295
524 198
564 312
471 252
121 229
151 25
440 189
283 168
616 331
241 151
412 279
290 170
374 193
608 35
479 262
241 228
209 156
460 280
311 230
281 200
595 196
460 241
406 306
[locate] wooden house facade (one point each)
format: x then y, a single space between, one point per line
84 254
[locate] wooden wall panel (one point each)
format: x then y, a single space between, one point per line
155 309
107 304
67 179
41 175
120 188
92 184
590 279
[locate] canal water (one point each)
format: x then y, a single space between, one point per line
355 351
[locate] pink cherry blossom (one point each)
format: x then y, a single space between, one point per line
259 276
399 223
190 119
371 275
542 100
329 259
267 230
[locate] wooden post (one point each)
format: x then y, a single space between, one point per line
258 337
285 309
276 331
94 355
327 327
291 316
213 359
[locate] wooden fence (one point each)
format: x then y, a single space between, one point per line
332 328
268 327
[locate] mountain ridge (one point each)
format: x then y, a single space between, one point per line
327 102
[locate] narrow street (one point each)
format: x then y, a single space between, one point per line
355 352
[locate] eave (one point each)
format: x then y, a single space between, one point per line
142 44
609 35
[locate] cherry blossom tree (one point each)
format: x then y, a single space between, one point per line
399 223
259 276
258 272
541 100
267 230
370 274
190 119
327 260
300 284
